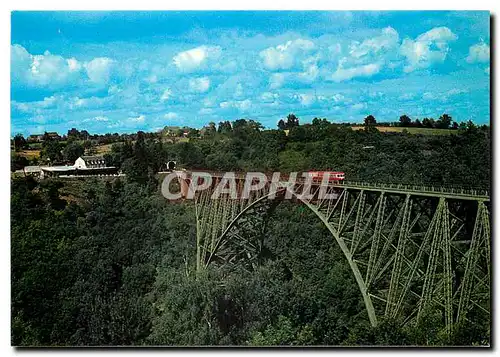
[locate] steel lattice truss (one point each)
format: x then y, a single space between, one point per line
408 252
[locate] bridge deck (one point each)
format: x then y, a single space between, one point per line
447 192
452 193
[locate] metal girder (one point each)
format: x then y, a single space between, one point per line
409 251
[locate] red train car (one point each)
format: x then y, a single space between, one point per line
333 176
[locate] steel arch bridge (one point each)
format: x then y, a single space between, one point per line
409 248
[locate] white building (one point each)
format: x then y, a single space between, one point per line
90 162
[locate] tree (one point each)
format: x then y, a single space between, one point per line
292 121
17 162
281 125
211 129
428 123
19 142
404 120
193 133
73 151
444 122
370 120
73 133
51 149
225 127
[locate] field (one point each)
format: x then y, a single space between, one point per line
423 131
30 154
103 149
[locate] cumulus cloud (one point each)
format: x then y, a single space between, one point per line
139 119
100 118
193 59
60 103
171 115
205 111
344 74
199 85
166 94
479 53
36 106
45 70
99 69
87 103
310 73
428 48
443 96
114 90
287 55
359 106
242 105
388 40
268 97
307 99
54 71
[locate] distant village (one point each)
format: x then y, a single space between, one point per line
79 153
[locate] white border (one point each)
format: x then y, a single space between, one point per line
492 6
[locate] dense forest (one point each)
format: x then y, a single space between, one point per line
111 262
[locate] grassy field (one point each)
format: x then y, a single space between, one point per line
423 131
103 149
29 154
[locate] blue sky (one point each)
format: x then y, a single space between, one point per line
128 71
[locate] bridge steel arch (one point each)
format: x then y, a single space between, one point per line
408 250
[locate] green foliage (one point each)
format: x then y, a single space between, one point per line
370 120
112 263
52 151
17 162
19 142
73 151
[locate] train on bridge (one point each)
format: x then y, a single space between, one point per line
333 176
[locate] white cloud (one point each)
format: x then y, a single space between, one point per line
114 90
74 65
406 96
359 106
428 48
99 69
171 115
335 50
87 103
456 91
310 74
443 96
429 96
338 98
54 71
285 56
205 111
166 95
199 85
343 74
387 41
139 119
479 53
45 70
268 97
307 99
193 59
242 105
100 118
